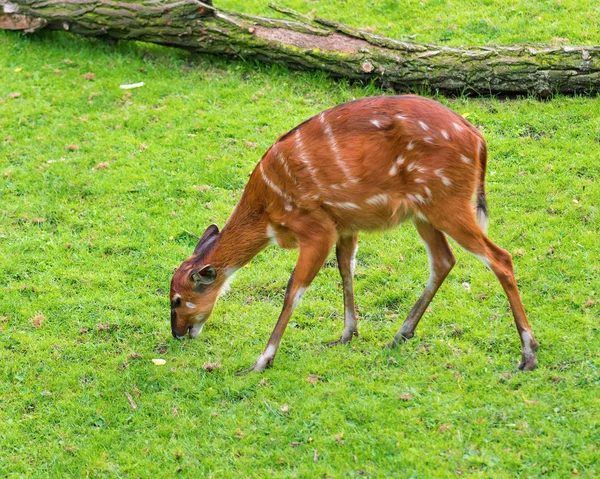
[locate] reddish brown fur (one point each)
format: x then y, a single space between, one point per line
365 165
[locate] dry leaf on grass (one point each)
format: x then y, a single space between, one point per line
101 166
444 427
38 320
89 76
211 366
15 94
106 326
405 397
203 187
159 362
285 409
313 378
131 401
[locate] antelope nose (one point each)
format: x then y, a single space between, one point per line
175 335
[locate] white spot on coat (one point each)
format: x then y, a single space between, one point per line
457 127
440 172
190 305
393 170
410 146
345 205
445 134
376 123
466 159
424 125
378 200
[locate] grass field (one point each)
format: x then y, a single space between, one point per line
101 191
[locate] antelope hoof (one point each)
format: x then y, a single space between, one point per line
259 366
345 339
399 338
528 363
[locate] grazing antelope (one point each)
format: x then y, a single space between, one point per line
364 165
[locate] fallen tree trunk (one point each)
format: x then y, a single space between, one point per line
317 44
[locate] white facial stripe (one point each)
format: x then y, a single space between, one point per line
190 305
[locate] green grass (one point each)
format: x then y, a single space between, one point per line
92 250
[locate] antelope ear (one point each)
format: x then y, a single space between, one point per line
206 275
207 240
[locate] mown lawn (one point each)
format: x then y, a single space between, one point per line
101 191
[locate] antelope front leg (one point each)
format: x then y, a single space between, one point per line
313 252
346 256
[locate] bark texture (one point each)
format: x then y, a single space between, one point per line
314 43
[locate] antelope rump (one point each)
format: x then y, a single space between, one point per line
365 165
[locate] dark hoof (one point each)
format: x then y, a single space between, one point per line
345 339
528 363
399 338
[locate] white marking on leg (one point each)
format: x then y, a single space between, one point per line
527 340
424 125
432 275
353 261
298 297
267 355
376 123
378 200
466 159
485 261
190 305
482 220
445 134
